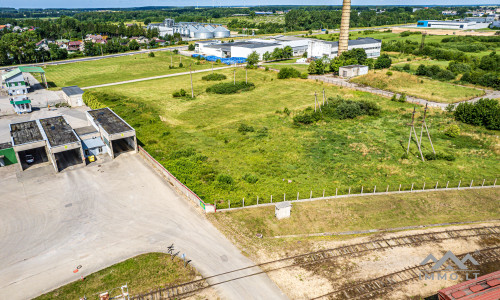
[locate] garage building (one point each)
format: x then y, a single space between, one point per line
29 144
65 148
118 136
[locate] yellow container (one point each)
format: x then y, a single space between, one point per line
92 158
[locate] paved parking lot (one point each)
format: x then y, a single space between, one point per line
101 214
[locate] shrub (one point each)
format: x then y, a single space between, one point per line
309 116
225 179
288 72
349 110
394 97
406 67
181 65
445 75
181 93
383 61
176 51
250 178
304 75
230 88
191 47
439 156
389 73
214 77
91 100
266 68
244 128
452 131
286 111
402 98
485 112
151 54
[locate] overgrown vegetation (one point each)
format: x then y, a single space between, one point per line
230 87
214 77
288 72
485 112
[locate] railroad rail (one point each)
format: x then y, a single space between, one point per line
381 285
189 288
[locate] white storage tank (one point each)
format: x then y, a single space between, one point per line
221 32
203 33
192 29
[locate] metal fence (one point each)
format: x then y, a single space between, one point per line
363 191
208 208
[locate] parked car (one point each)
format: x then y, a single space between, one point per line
29 158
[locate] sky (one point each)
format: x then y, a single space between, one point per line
139 3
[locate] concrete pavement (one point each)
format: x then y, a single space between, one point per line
101 214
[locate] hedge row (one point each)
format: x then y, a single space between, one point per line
91 100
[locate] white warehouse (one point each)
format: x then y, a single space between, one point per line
320 48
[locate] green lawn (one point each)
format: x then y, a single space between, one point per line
142 274
300 67
417 86
363 213
119 69
198 140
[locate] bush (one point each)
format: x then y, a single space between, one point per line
485 112
389 73
266 68
394 97
304 75
214 77
244 128
181 93
309 116
286 111
402 98
181 65
452 131
445 75
439 156
383 61
225 179
151 54
288 72
230 88
250 178
407 67
349 110
191 47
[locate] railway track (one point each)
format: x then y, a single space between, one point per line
190 288
381 285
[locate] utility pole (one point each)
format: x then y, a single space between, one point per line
412 130
191 75
424 125
234 76
246 75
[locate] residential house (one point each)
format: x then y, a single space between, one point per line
14 82
75 46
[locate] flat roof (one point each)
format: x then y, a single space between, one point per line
11 73
58 131
85 130
25 132
283 204
31 70
5 145
109 121
252 45
72 90
359 41
92 143
353 66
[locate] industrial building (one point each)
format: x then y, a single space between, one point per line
456 25
191 30
320 48
352 71
118 136
244 48
73 95
53 141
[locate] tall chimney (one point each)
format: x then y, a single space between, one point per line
344 26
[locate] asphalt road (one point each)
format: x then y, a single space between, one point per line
96 216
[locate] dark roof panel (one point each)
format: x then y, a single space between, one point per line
109 121
72 90
58 131
25 132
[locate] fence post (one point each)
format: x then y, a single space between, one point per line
447 183
257 200
471 182
284 197
483 182
243 202
494 183
349 190
323 193
215 205
229 203
297 195
311 196
387 189
336 190
436 187
411 190
271 198
374 189
361 189
423 189
459 184
400 187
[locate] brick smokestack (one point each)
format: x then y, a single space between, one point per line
344 26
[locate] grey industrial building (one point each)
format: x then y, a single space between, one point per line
191 30
54 141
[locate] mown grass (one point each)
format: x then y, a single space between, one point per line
364 213
198 140
429 89
122 68
142 273
301 68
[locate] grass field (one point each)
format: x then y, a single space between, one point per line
364 213
142 273
119 69
429 89
300 67
199 142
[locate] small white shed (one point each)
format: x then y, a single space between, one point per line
352 71
73 95
282 209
